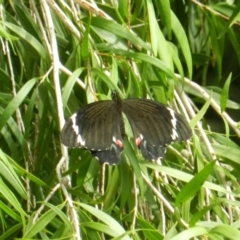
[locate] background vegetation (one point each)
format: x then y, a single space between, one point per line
58 56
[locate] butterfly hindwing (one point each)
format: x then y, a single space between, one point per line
151 152
110 156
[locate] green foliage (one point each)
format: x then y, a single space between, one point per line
57 57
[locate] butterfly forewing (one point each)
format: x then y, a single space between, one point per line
93 127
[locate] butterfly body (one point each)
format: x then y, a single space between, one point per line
99 127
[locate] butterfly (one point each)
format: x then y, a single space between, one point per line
99 127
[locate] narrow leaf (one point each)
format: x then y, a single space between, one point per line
16 101
227 231
200 114
191 188
225 93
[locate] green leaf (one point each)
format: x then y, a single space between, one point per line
199 214
190 233
14 230
158 42
213 91
85 42
148 59
118 30
225 93
200 114
182 41
111 190
16 101
103 228
217 44
70 84
11 198
227 231
116 228
5 34
34 228
111 84
148 229
165 12
180 175
7 171
22 33
233 18
191 188
228 152
131 155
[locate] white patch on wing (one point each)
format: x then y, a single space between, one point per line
174 133
74 125
80 140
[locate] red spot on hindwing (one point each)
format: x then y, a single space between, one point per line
119 143
138 140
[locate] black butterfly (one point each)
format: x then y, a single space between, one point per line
99 127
